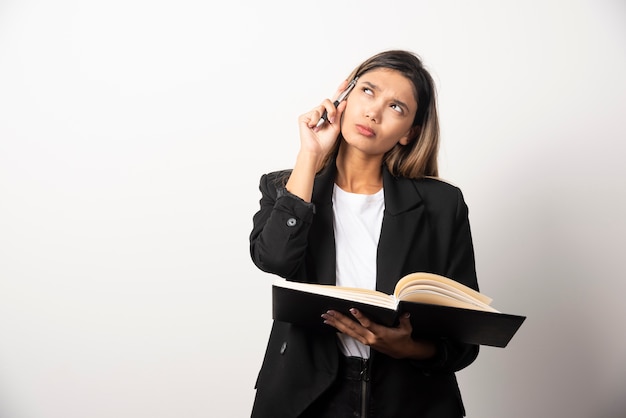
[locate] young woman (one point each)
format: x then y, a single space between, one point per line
362 207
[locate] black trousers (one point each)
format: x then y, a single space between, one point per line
349 396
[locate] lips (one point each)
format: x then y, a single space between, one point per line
365 131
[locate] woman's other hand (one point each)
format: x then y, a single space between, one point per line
395 342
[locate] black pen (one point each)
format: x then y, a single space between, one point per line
340 99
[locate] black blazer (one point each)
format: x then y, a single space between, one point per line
425 228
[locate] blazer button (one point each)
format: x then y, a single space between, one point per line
292 222
283 348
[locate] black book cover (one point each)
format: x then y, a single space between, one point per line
466 325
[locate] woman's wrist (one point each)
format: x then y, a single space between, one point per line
302 176
309 160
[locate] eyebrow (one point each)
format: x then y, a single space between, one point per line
397 101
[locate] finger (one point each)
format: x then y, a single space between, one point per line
347 326
330 107
330 111
331 318
333 113
339 321
310 118
363 320
335 318
338 112
306 118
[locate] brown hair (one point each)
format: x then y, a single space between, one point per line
419 157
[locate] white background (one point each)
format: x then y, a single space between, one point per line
132 137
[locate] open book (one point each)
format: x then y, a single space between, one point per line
439 307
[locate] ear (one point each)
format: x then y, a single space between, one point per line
413 134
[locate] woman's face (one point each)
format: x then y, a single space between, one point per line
379 112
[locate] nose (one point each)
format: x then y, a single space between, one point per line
373 113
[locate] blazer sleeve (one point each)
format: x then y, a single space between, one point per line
460 266
279 236
461 263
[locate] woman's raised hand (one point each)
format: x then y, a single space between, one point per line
318 141
315 143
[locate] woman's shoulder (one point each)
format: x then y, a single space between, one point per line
437 183
439 180
437 189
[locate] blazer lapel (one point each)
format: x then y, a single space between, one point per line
404 239
322 234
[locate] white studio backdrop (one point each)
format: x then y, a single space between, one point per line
132 137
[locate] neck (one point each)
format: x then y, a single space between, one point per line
358 173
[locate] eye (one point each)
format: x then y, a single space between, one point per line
368 91
397 108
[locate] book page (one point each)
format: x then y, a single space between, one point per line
444 289
438 296
442 282
371 297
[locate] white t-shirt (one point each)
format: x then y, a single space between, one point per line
357 221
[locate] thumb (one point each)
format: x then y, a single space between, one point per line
405 321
